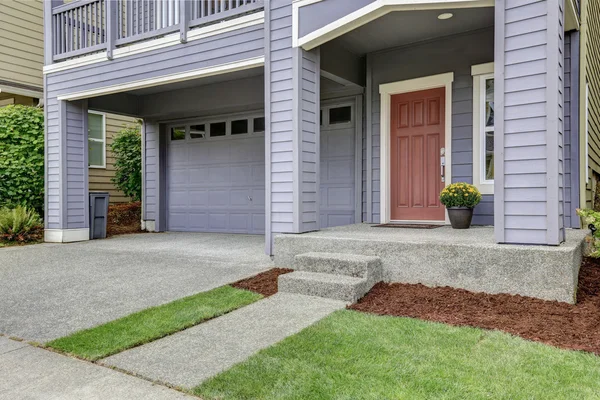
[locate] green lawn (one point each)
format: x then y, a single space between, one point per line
152 323
351 355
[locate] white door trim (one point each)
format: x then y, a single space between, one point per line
386 91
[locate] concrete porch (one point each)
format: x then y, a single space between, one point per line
467 259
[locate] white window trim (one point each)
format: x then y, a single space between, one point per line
103 141
480 74
386 91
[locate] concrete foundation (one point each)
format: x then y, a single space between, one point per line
466 259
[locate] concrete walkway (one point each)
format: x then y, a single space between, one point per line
51 290
187 358
31 373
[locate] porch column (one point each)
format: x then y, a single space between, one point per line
153 177
528 202
67 203
292 128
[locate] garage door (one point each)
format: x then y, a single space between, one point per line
216 176
338 202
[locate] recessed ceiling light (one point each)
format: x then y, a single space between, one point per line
445 16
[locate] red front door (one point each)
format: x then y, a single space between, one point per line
417 137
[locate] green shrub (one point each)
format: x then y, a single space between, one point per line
127 150
591 218
20 224
22 157
460 194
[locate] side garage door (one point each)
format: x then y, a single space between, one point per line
216 176
338 195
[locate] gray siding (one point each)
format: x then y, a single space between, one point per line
431 58
279 108
215 50
151 170
320 14
529 57
571 148
66 165
308 77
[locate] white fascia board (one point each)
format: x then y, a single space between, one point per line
376 10
21 92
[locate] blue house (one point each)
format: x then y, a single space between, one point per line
291 116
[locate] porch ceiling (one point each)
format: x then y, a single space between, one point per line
400 28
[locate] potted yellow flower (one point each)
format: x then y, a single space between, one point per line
460 199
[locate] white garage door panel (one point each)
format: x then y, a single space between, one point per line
217 185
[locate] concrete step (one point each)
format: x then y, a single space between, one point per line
337 264
339 287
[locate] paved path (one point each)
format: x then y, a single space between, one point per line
31 373
50 290
187 358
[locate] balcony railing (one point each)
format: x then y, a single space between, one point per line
89 26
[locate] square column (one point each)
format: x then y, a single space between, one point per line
529 58
67 202
292 109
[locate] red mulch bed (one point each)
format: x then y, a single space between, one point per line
264 283
559 324
124 218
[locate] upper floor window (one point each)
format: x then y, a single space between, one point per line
96 140
483 127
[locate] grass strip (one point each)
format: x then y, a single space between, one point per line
152 323
352 355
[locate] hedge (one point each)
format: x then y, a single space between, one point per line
22 157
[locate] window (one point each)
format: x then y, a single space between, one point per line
96 140
178 133
483 127
198 131
259 125
218 129
239 127
340 115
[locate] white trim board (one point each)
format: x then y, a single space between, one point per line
21 92
166 79
66 235
159 43
387 91
377 9
480 72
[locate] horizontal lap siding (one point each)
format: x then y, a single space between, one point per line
100 178
567 133
21 42
280 85
53 164
212 51
309 78
151 170
432 58
532 122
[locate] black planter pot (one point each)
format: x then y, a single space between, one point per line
460 217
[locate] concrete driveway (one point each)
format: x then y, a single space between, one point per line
50 290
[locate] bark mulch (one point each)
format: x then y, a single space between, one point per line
264 283
563 325
124 218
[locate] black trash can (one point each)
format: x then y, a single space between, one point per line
98 214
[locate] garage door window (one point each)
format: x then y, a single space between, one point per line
259 125
218 129
239 127
178 133
340 115
198 131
